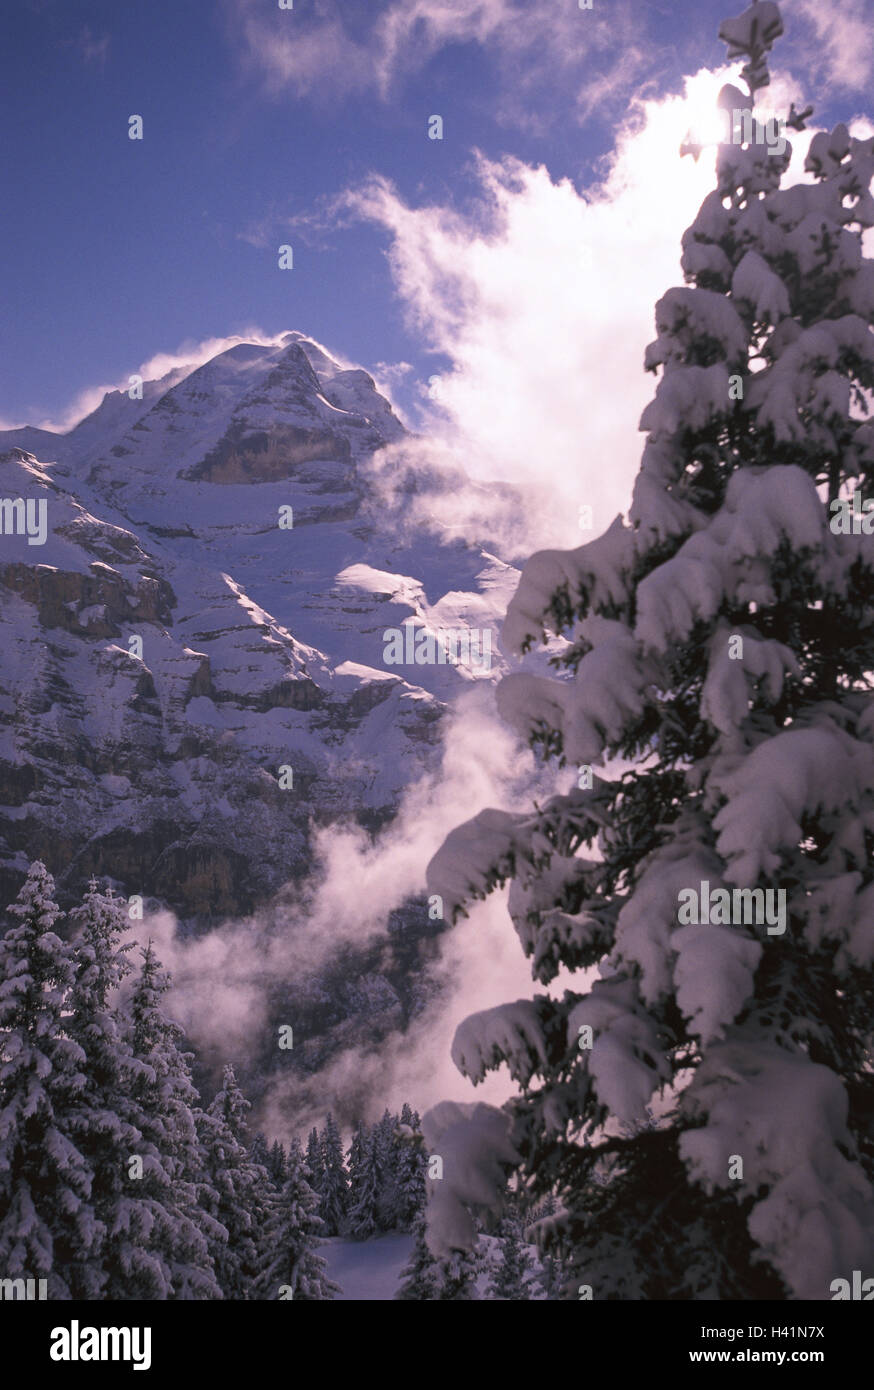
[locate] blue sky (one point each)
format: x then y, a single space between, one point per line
258 120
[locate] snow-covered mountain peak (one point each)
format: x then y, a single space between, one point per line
209 603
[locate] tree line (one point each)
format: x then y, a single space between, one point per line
117 1182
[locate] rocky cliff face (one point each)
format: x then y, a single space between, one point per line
207 609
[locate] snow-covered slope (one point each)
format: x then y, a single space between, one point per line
367 1271
171 645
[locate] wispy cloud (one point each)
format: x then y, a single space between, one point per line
553 61
843 52
190 355
93 49
222 981
321 54
315 225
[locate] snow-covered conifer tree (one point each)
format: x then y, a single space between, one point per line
235 1192
408 1116
420 1276
429 1278
539 1230
314 1159
386 1155
510 1279
364 1184
259 1150
456 1275
167 1103
334 1181
293 1269
719 645
123 1263
411 1165
46 1216
276 1162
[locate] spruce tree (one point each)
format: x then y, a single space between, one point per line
386 1153
276 1164
314 1160
411 1166
259 1150
420 1275
361 1221
510 1277
123 1265
167 1104
716 672
46 1215
427 1278
293 1269
550 1275
334 1182
409 1117
456 1276
235 1192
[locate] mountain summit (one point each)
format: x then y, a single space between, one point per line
208 607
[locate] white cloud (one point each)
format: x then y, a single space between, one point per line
844 52
542 299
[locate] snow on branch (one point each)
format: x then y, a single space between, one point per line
474 858
474 1142
511 1033
552 934
725 695
626 1061
686 397
591 712
752 35
762 507
649 917
783 780
714 975
594 576
688 316
786 1117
